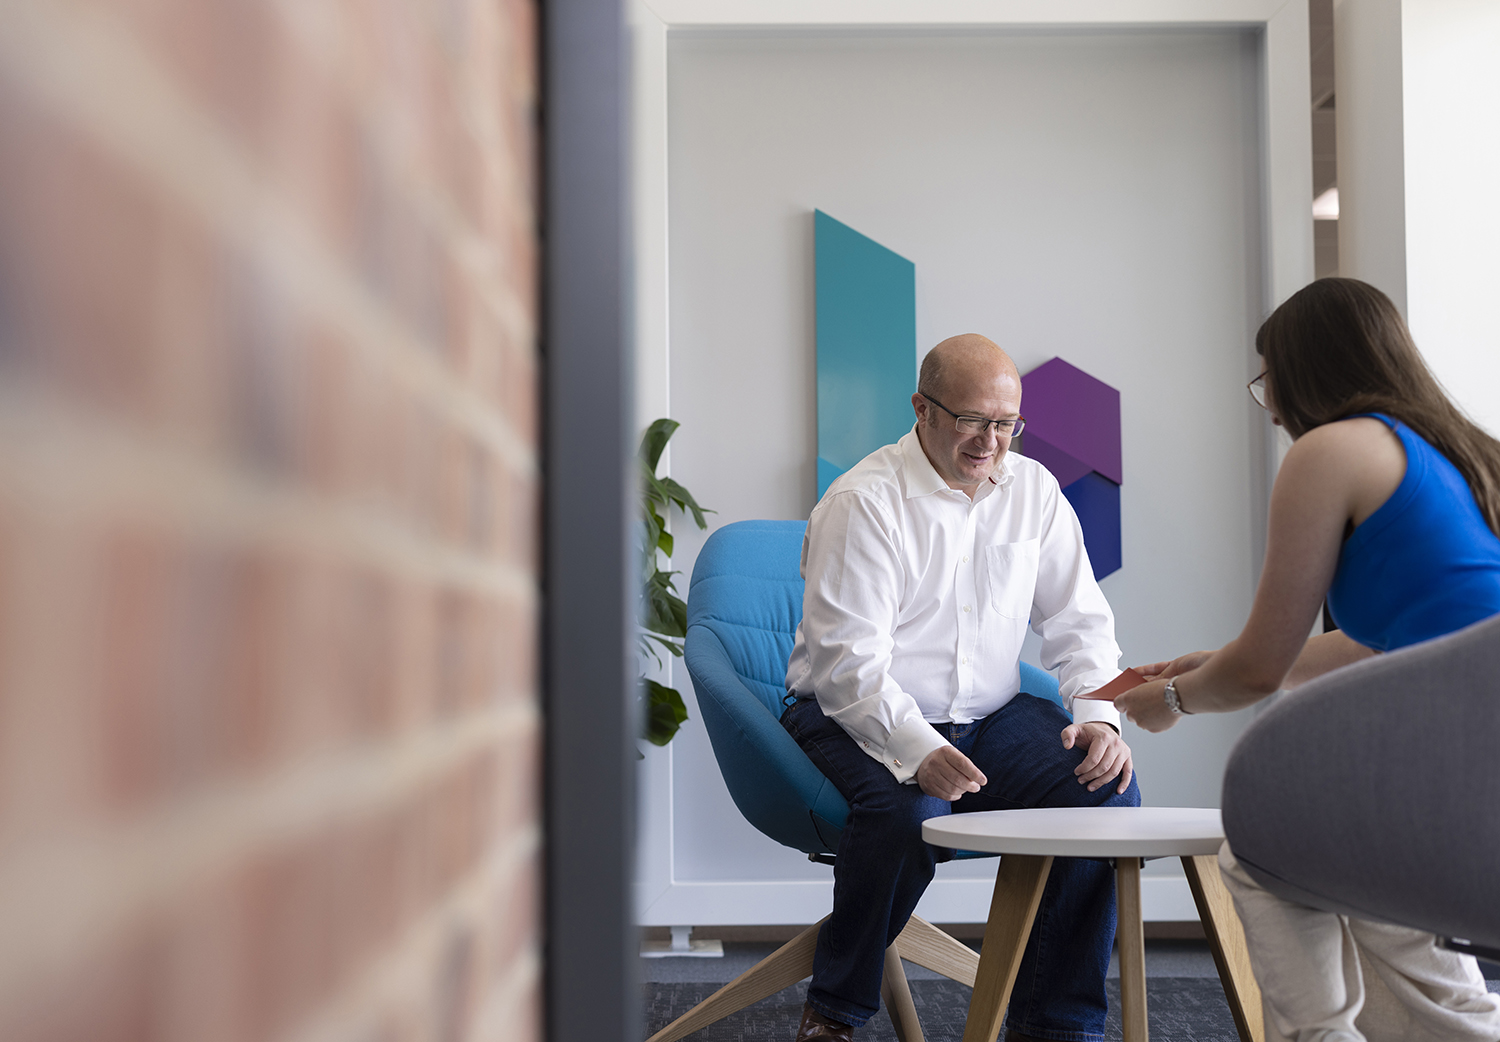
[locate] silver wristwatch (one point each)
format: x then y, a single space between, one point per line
1169 693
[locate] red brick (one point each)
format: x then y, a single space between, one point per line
366 910
110 996
81 230
135 718
416 654
371 650
263 362
225 54
517 392
516 639
256 661
517 786
283 925
312 143
479 477
488 667
191 387
454 987
452 485
313 704
516 916
328 421
452 650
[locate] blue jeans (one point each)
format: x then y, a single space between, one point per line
883 866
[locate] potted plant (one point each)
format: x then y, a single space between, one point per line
663 614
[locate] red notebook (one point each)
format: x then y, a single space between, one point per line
1116 687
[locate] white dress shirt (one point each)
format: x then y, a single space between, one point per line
918 598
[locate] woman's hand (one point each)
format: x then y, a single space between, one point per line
1146 706
1180 664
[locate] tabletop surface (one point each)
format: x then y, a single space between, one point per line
1082 831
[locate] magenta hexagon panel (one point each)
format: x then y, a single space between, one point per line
1078 419
1073 429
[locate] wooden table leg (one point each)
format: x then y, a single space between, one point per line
1018 891
1131 937
1226 939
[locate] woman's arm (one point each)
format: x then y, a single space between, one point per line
1333 475
1323 654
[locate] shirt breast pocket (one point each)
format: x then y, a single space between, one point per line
1012 569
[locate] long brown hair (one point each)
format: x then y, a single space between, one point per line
1338 347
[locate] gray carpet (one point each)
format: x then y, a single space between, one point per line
1185 1002
1180 1009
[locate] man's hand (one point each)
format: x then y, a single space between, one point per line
1108 754
947 774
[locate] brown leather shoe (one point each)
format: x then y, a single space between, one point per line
816 1026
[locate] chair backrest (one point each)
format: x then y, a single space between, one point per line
744 603
1373 792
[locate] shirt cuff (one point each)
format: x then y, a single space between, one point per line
1091 710
907 747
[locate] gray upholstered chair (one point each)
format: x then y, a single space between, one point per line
1375 791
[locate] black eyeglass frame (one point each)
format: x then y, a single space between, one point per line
984 422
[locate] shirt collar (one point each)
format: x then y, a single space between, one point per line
923 480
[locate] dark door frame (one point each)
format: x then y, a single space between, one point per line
591 947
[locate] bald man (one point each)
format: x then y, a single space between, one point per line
924 563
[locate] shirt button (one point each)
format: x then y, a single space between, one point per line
966 607
963 661
966 558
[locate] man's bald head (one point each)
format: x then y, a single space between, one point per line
966 376
963 361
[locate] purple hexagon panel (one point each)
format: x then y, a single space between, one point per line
1073 429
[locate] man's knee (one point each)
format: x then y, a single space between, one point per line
901 808
1131 797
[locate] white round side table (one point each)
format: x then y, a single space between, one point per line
1030 839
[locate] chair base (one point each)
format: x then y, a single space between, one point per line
921 943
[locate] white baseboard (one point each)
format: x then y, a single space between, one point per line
774 903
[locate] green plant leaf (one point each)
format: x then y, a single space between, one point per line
655 491
655 440
665 713
671 645
665 612
685 501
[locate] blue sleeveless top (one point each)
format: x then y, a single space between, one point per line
1424 564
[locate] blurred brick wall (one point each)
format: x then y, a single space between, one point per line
268 504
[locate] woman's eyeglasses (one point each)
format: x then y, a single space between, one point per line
1257 388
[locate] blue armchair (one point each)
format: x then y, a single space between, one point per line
744 603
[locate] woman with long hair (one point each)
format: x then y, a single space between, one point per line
1387 506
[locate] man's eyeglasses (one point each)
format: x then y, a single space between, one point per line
979 424
1258 390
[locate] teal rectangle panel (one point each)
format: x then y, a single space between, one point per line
867 346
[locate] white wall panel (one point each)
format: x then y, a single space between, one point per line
1094 195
